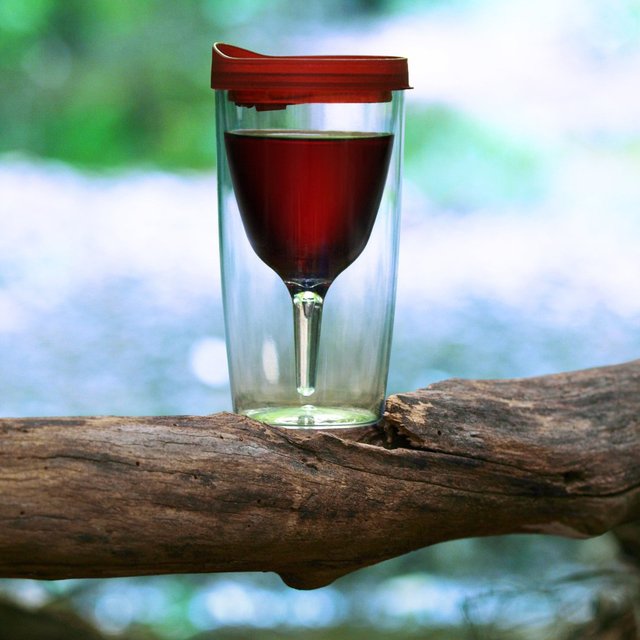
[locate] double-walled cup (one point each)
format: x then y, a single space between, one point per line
309 160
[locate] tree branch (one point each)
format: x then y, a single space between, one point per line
114 496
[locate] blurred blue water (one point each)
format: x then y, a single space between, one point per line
111 307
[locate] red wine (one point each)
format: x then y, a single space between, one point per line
308 199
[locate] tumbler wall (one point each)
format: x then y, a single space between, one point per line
358 305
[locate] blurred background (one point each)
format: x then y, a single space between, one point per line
519 256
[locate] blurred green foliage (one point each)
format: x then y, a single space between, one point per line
107 83
103 83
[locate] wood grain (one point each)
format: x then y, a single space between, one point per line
122 496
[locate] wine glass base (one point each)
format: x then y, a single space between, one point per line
310 416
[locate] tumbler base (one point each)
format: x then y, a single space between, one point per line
309 416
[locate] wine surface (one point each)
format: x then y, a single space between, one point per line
308 199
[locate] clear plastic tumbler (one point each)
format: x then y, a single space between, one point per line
309 159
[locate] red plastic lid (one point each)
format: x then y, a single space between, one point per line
258 80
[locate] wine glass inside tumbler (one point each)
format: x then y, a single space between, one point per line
308 199
314 187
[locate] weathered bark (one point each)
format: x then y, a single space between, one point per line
113 496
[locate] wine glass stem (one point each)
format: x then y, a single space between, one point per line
307 317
